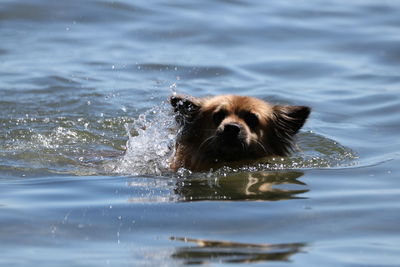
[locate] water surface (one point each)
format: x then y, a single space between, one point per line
86 133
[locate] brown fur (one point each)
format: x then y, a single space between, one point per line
232 130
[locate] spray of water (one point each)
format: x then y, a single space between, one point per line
150 144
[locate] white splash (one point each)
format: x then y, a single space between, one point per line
150 144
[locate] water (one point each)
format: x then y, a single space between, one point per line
86 133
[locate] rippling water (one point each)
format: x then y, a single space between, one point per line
86 133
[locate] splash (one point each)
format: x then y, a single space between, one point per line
150 144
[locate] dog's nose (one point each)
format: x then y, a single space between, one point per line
231 130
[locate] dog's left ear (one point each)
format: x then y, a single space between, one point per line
290 118
186 107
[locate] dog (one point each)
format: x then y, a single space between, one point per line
232 130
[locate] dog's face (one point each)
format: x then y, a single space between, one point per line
230 128
234 126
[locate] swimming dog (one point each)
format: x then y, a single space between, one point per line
232 130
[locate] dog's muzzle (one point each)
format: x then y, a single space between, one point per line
230 136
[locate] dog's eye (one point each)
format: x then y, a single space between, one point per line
219 116
251 120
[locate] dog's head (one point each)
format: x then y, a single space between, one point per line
231 127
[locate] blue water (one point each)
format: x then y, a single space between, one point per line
85 133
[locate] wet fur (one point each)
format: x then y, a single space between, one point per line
232 130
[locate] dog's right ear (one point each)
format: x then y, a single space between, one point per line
185 107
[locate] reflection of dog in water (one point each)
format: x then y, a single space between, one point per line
237 186
232 130
266 186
